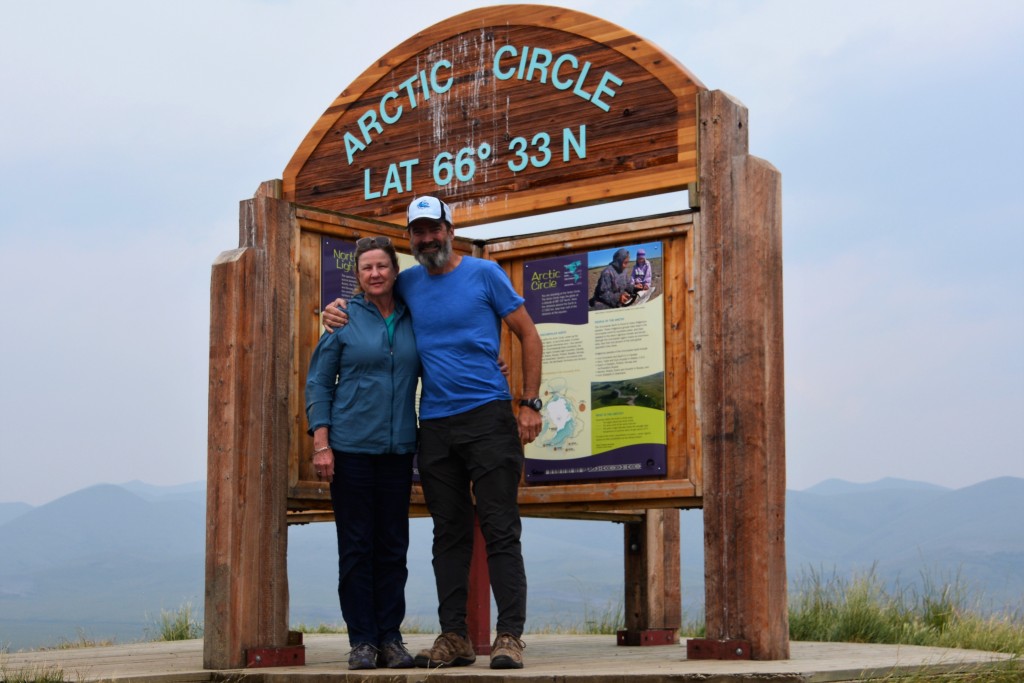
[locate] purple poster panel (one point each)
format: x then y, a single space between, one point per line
337 270
601 317
556 290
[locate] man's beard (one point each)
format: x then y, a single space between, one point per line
434 260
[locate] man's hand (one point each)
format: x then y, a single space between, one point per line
335 317
530 423
522 326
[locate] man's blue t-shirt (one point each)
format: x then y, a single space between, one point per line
457 319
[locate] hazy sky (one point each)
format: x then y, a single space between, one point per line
132 129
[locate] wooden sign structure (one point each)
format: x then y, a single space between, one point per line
511 111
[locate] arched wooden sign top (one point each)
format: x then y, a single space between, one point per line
504 111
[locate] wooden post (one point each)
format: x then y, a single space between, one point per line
653 600
478 599
252 312
741 399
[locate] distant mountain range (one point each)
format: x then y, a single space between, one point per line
104 561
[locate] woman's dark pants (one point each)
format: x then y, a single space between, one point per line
370 496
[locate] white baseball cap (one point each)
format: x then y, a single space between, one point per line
429 208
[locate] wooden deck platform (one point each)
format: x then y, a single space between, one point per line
560 658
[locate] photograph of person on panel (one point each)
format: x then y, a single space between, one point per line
471 442
642 271
615 286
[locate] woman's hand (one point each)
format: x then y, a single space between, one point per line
323 463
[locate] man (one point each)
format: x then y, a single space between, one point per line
642 271
614 288
471 444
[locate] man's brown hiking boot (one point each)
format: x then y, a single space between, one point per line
449 649
507 652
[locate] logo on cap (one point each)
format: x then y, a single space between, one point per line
429 208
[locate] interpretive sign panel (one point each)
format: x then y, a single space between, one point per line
603 384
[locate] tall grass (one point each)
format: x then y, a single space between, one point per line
408 626
321 628
49 674
82 640
607 621
180 624
862 610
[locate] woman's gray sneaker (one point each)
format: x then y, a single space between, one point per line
363 656
393 655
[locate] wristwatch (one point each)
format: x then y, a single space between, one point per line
531 403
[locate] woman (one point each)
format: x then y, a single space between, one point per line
360 403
